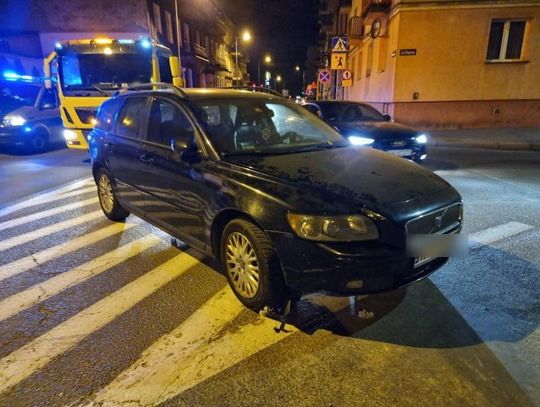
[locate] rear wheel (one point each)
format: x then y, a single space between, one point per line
252 266
107 200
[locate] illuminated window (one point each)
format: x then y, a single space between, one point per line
157 19
505 40
169 26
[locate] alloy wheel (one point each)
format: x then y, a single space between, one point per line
106 197
242 265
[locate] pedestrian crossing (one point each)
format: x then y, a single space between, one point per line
217 335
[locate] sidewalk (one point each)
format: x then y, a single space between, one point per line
494 138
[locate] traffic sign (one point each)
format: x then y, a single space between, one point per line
338 61
347 79
340 45
347 75
324 76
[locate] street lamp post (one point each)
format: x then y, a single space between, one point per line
246 37
297 69
267 60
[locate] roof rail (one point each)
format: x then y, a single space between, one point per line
254 89
152 86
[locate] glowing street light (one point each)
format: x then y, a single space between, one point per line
297 68
245 37
268 59
278 78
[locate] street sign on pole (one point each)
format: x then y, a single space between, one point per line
347 79
324 76
340 45
338 61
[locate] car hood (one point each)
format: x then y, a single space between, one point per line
377 130
24 111
349 177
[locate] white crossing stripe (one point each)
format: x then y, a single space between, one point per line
500 232
31 261
54 195
192 353
44 214
33 356
38 233
40 292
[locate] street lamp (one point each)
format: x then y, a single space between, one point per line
267 60
246 37
297 69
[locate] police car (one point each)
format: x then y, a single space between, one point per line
29 114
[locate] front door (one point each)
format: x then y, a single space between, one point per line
174 185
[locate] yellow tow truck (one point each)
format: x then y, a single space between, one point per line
87 72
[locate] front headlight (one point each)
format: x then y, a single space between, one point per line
342 228
360 141
70 135
15 120
421 139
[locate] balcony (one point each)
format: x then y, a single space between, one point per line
376 6
200 51
355 29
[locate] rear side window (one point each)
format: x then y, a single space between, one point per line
106 113
131 117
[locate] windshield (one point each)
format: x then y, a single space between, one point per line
349 112
248 126
16 94
101 72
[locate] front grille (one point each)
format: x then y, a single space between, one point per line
395 143
438 221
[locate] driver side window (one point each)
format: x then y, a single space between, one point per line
48 100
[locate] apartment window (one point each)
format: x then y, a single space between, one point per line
169 27
505 40
359 67
369 63
187 41
197 37
157 19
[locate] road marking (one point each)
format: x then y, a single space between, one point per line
49 196
38 233
500 232
192 353
40 292
33 356
44 214
33 260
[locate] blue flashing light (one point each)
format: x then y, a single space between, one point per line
126 41
57 45
27 129
11 75
146 43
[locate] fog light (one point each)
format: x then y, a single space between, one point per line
70 135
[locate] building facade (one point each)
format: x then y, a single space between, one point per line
447 63
203 36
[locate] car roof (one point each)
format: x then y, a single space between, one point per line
205 93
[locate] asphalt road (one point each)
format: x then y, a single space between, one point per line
96 313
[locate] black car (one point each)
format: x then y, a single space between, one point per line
278 196
365 126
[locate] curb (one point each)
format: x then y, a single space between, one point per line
488 146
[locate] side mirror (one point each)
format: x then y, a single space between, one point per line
181 143
387 117
176 72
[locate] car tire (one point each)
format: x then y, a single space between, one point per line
39 141
252 267
107 198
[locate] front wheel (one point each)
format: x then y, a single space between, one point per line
252 266
107 200
38 141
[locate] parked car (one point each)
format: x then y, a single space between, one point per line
366 126
279 197
29 114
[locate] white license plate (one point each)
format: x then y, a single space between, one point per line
401 153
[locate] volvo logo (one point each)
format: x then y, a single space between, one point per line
438 220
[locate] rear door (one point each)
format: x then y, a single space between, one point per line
123 145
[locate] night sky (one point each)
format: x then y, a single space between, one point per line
283 28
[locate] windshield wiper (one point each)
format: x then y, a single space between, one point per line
316 147
254 152
91 87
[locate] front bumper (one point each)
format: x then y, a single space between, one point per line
348 268
417 151
12 136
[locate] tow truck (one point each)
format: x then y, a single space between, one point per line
86 72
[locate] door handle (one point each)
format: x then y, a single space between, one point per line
146 159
